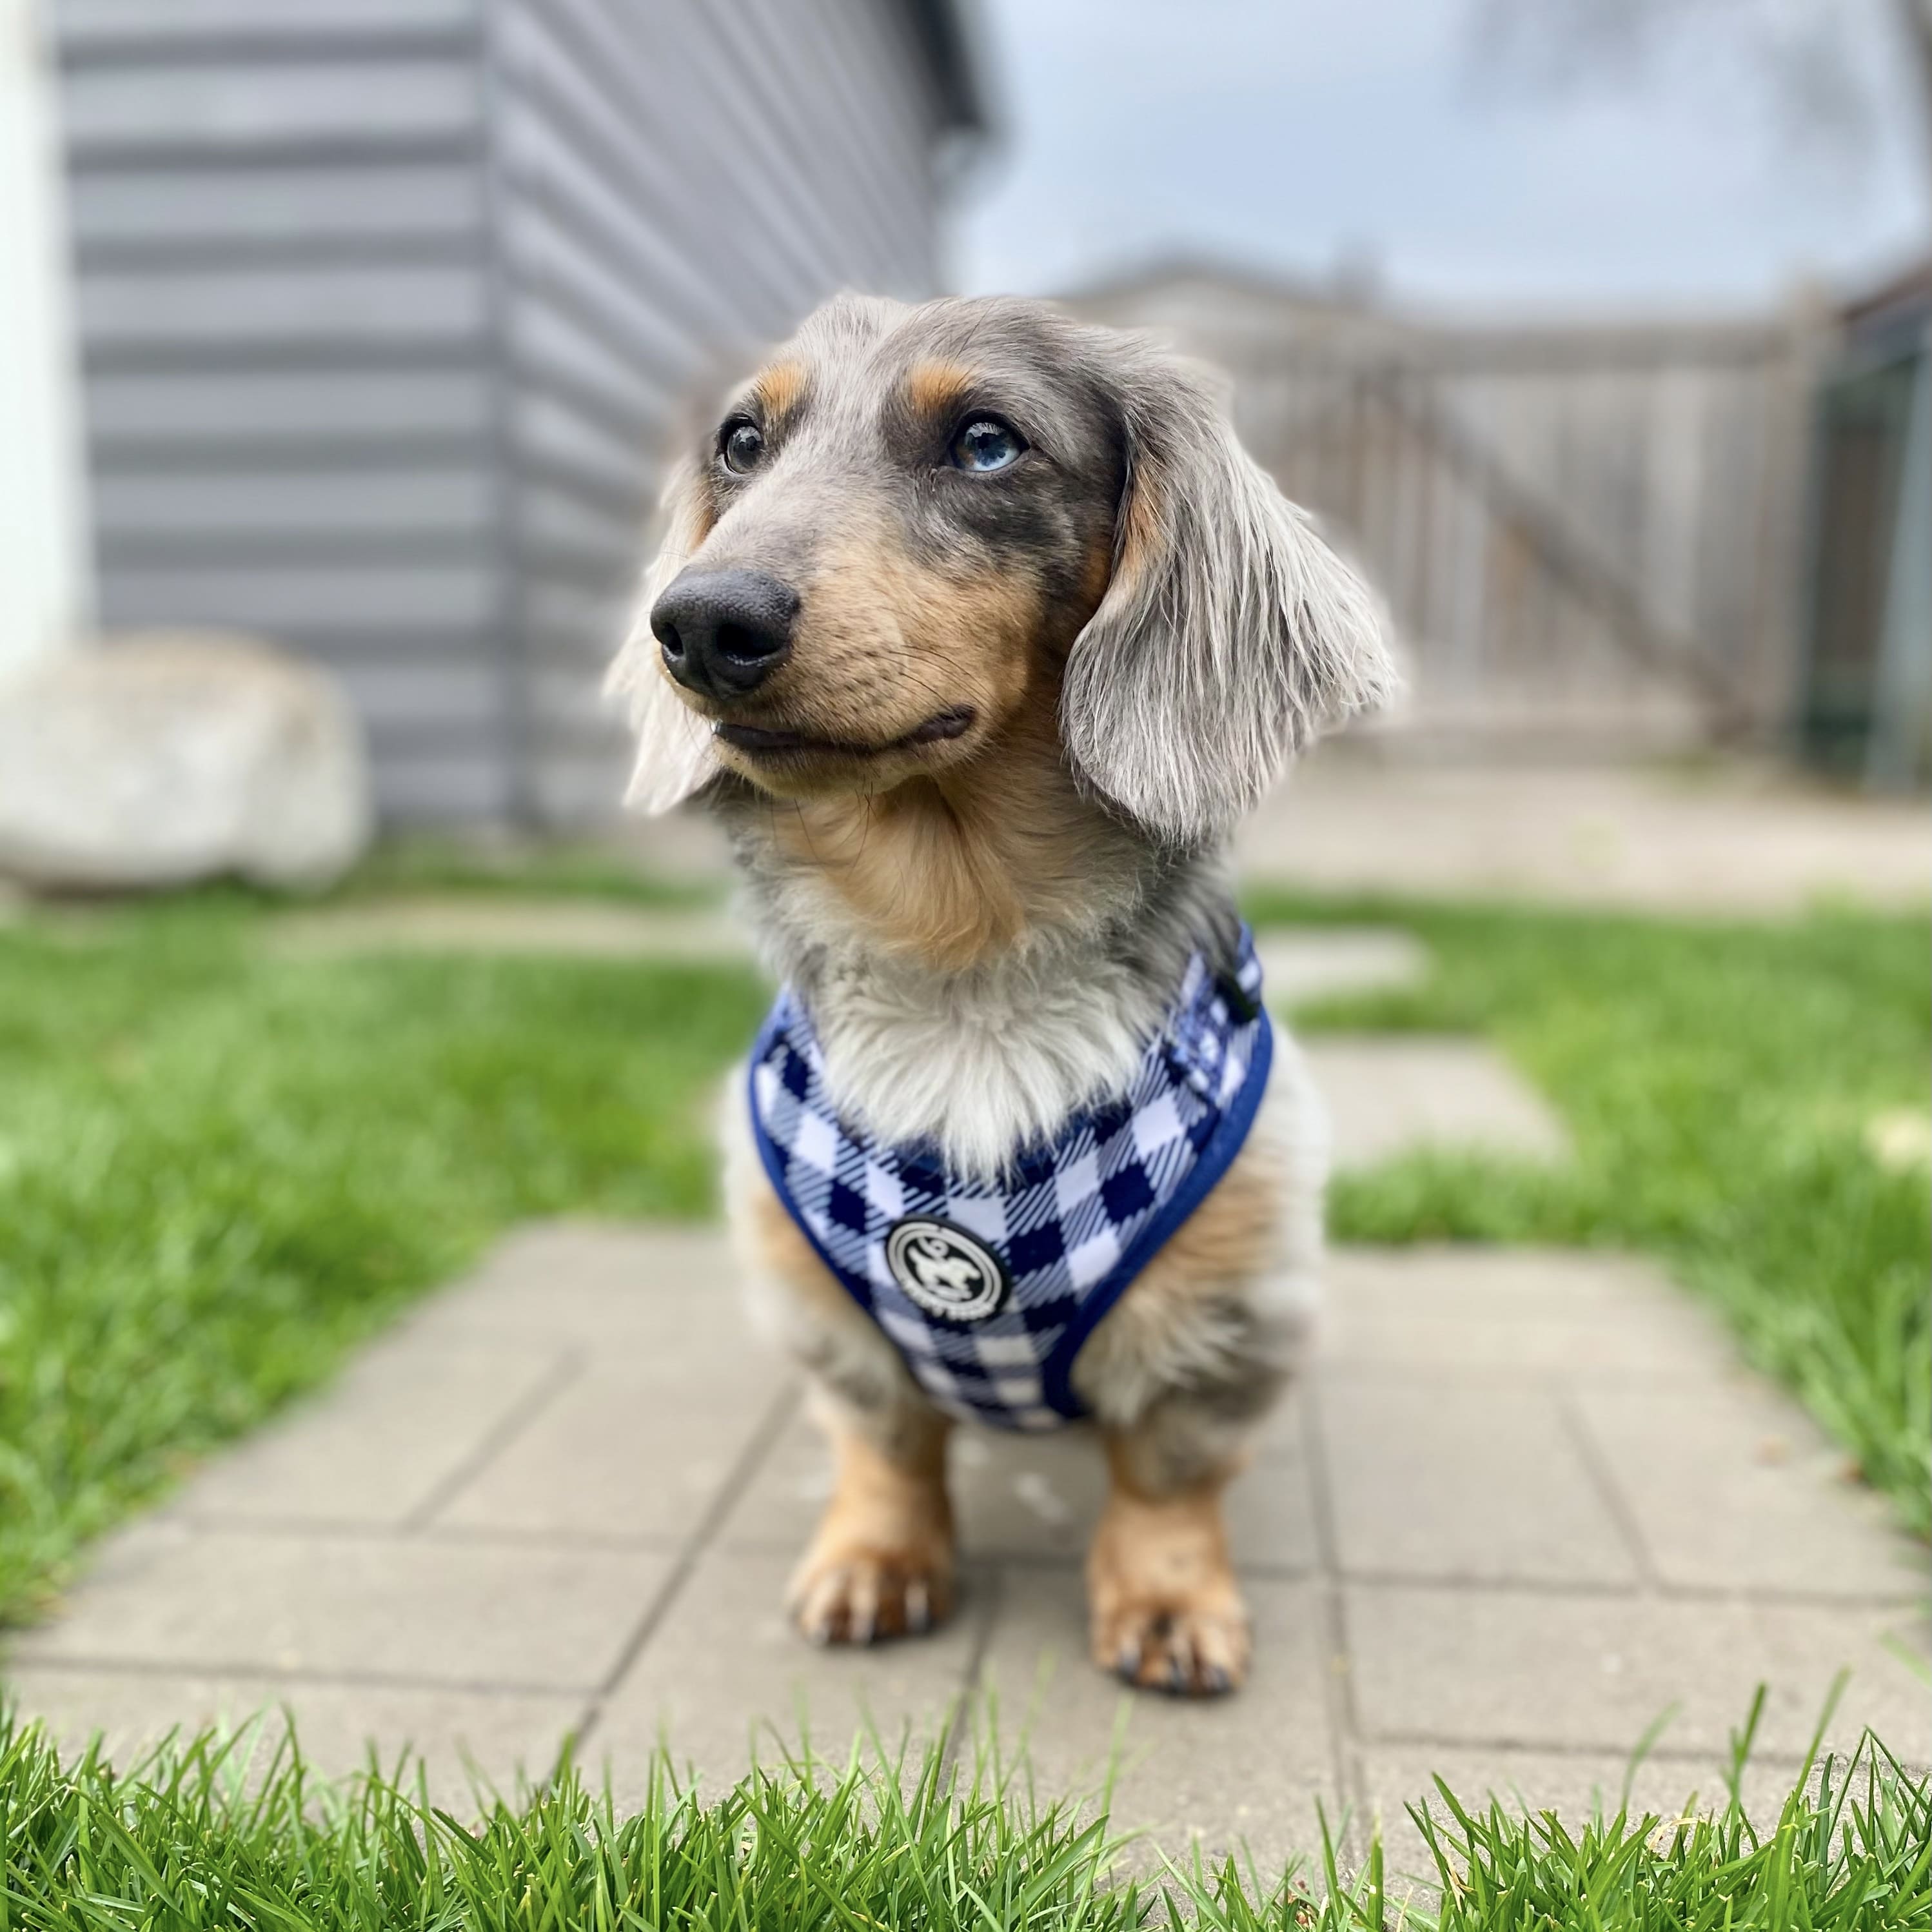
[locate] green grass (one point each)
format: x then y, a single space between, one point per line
218 1170
590 869
208 1834
1718 1081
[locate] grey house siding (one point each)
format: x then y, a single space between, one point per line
387 307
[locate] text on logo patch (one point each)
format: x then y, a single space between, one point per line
948 1272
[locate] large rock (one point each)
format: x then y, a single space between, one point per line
156 759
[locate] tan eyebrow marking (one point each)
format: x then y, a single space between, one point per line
780 389
935 387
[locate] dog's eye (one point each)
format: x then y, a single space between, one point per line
741 445
987 443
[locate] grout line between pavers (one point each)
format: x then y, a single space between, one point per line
346 1528
1608 1493
509 1425
1775 1596
959 1720
384 1680
1713 1754
1337 1666
784 1406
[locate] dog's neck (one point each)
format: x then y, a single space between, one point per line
980 953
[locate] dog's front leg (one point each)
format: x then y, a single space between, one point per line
881 1564
1165 1610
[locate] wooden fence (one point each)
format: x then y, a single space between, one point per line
1583 532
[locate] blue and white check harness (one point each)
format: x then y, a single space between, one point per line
987 1290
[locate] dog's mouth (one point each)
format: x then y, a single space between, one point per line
762 742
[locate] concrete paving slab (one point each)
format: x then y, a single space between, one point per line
667 1292
1363 816
1497 1313
500 1735
1473 1539
622 1450
1556 1669
498 925
384 1441
1300 964
1246 1769
1430 1480
726 1672
1739 1490
1392 1094
350 1604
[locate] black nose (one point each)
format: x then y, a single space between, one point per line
723 632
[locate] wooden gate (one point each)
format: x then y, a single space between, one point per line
1582 531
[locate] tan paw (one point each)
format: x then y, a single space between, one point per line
860 1596
1191 1648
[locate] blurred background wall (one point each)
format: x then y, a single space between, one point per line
383 310
385 306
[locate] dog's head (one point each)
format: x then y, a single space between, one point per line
918 526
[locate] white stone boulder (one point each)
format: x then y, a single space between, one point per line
158 758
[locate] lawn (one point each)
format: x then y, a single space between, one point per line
219 1169
1720 1082
198 1838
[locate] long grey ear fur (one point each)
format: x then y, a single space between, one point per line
1230 634
674 755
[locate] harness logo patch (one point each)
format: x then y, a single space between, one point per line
948 1272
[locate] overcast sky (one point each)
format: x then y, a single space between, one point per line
1294 134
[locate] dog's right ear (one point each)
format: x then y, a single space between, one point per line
674 755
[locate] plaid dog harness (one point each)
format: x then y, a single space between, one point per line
989 1289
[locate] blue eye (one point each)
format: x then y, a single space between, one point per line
986 443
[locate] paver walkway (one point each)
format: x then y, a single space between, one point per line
1375 816
1525 1501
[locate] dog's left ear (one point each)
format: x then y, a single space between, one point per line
1230 634
674 755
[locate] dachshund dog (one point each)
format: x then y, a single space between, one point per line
978 631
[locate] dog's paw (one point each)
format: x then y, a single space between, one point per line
1195 1648
863 1595
1166 1612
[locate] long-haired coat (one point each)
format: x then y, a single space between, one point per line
978 631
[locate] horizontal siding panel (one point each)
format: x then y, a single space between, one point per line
642 352
464 700
303 502
559 175
439 783
555 436
377 597
103 26
566 704
313 409
337 306
157 208
582 785
580 622
554 351
667 119
258 106
552 518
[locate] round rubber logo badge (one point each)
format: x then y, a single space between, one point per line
948 1272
